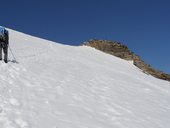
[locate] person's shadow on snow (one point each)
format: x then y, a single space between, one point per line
13 61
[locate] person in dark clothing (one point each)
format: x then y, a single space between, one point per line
4 46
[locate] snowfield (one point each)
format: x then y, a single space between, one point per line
60 86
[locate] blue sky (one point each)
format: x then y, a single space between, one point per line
142 25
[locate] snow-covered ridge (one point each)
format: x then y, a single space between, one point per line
118 49
60 86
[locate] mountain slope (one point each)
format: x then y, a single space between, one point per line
60 86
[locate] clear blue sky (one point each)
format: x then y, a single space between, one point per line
142 25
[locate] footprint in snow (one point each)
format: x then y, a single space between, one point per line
10 82
21 123
1 110
14 102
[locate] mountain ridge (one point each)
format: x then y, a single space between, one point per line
122 51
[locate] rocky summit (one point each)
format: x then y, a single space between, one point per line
122 51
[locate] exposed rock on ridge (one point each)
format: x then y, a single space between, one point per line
122 51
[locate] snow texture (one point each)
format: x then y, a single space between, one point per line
60 86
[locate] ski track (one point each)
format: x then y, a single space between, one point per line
58 86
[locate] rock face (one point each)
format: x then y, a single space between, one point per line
122 51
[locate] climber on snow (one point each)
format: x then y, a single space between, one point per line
4 41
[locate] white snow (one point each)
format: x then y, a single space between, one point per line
60 86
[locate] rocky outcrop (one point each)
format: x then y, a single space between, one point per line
122 51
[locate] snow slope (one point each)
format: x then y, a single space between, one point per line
60 86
